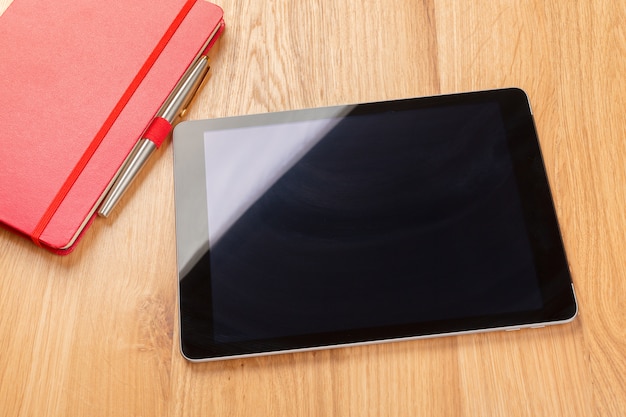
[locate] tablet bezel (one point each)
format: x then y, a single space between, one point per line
192 235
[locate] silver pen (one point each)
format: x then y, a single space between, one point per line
157 131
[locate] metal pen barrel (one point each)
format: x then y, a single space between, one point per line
173 107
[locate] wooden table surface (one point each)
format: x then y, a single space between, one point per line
96 334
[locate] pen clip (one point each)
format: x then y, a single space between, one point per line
186 89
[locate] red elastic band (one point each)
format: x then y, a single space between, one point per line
71 179
157 131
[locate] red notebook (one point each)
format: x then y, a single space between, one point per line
79 82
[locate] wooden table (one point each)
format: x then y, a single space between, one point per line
96 334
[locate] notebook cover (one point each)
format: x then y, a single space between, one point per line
65 67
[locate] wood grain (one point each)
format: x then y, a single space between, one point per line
95 333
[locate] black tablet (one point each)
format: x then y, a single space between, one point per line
365 223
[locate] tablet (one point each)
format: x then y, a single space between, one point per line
365 223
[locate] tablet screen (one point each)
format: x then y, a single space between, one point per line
370 222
